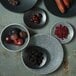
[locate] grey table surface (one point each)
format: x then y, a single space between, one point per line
11 64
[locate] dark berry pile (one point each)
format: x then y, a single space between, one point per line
33 56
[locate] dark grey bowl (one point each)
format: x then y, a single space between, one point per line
52 8
29 14
27 53
23 6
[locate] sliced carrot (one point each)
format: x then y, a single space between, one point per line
67 3
60 5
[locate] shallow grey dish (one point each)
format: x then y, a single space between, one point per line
70 35
12 47
29 14
54 49
23 6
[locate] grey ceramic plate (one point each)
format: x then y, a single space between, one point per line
71 32
54 49
29 14
22 7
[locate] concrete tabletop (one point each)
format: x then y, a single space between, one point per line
11 64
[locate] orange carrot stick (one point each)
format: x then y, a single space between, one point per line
60 5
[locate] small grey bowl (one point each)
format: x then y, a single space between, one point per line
11 47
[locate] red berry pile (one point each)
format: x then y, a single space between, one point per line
36 18
15 36
61 31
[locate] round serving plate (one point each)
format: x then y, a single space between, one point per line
23 5
55 53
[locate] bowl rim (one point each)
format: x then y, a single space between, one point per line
18 24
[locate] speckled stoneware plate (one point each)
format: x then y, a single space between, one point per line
23 5
70 35
54 50
29 14
52 7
